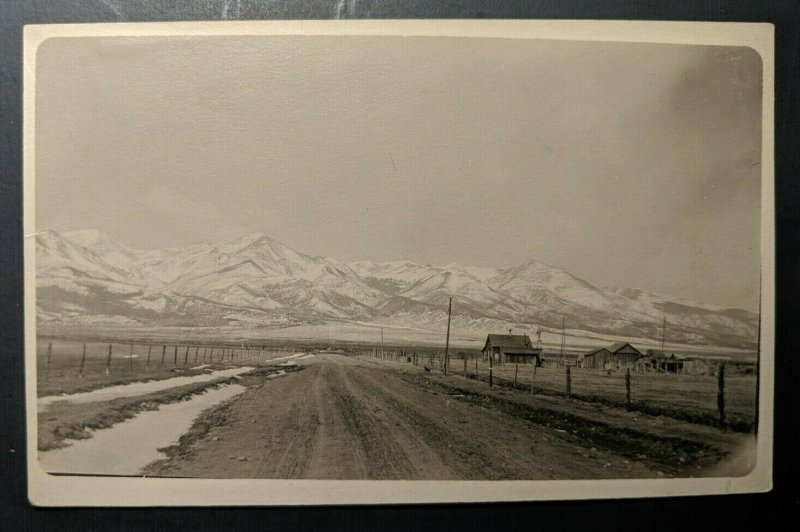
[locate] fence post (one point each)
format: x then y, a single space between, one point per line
628 388
196 351
83 360
491 367
569 381
149 350
130 359
516 369
186 355
49 354
175 356
465 365
721 394
533 377
108 360
163 354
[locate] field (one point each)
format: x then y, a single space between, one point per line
692 397
307 413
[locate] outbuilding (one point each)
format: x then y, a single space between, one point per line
616 356
596 359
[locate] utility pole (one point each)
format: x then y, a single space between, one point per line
538 349
447 341
563 329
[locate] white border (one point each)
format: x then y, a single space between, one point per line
48 490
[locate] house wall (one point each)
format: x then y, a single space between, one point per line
520 359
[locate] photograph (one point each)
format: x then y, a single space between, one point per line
474 252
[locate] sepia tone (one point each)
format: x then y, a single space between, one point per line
386 258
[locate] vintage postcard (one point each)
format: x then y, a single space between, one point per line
397 261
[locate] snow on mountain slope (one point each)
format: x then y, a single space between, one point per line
258 280
105 247
58 257
531 281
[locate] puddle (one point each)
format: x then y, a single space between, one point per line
127 447
137 388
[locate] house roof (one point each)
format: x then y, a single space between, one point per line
507 341
595 351
614 348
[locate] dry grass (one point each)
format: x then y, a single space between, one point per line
64 375
689 397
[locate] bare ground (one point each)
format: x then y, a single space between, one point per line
358 418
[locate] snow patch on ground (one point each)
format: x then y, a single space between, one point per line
136 388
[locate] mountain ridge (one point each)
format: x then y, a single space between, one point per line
255 280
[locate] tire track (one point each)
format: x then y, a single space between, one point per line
335 452
383 457
454 443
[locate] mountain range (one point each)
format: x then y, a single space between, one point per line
87 277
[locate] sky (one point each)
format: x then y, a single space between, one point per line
627 164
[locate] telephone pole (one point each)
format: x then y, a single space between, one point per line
447 341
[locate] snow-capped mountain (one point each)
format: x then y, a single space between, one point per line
88 277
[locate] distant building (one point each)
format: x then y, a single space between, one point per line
617 356
596 359
656 360
512 348
696 366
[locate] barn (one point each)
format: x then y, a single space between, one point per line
617 356
512 348
596 359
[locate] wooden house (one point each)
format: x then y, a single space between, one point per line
670 364
617 356
512 348
660 362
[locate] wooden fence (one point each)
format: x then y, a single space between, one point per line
704 399
59 358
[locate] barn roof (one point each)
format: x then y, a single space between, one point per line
595 351
614 348
508 341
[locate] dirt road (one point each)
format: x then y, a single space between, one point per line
349 418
